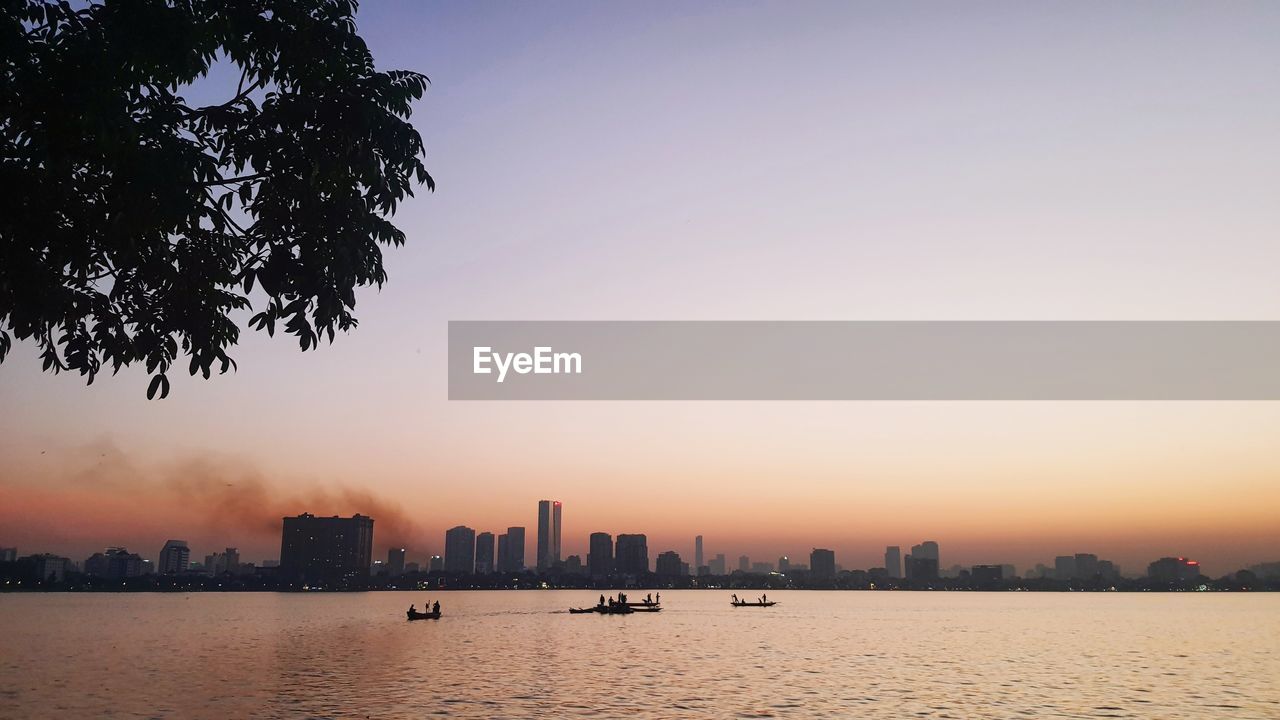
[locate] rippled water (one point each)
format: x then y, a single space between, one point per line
518 654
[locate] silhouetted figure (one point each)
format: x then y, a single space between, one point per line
436 608
648 599
764 598
735 595
411 608
601 599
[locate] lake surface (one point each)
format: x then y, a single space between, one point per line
519 654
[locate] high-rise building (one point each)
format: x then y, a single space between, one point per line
986 574
1086 566
744 563
175 557
395 561
1064 567
484 553
115 563
460 550
697 551
49 568
1172 569
761 568
631 555
600 555
784 564
668 564
512 558
548 534
717 565
893 561
573 565
332 550
435 564
9 554
822 564
920 568
927 550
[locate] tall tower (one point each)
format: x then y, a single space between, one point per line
893 561
697 553
548 534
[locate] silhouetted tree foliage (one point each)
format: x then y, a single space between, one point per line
132 225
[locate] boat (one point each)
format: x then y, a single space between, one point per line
415 615
645 608
582 611
742 603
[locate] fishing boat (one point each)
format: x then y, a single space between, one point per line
415 615
742 603
582 611
645 608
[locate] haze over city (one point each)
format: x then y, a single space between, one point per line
743 162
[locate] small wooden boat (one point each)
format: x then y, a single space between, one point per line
741 603
646 608
415 615
582 611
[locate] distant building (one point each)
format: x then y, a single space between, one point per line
631 554
115 563
175 557
460 550
1108 570
511 559
668 564
435 564
717 565
484 553
226 562
822 564
411 567
927 550
395 561
1173 569
893 561
49 568
1086 566
920 568
548 534
761 568
1064 567
8 554
600 555
697 551
744 563
573 565
986 574
1008 572
784 564
325 550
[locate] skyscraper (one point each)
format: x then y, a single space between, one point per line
600 555
484 553
822 564
395 561
717 564
784 564
893 561
744 563
631 556
460 550
175 556
325 549
512 558
548 534
669 565
697 552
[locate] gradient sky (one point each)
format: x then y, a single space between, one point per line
745 161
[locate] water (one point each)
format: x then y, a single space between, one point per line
518 654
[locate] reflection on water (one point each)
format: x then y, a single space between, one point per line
518 654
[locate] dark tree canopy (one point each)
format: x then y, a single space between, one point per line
132 224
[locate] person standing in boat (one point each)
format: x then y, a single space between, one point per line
436 608
735 597
764 598
657 599
648 599
601 599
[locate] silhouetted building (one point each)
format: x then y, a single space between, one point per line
920 568
784 564
512 558
460 550
668 564
316 550
761 568
893 561
573 565
744 563
435 564
927 550
986 574
1064 567
175 557
600 555
1173 569
48 568
395 561
1008 572
717 565
8 554
115 563
223 563
631 554
1108 570
1086 566
548 534
822 564
484 553
697 551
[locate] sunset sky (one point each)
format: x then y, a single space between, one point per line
744 161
